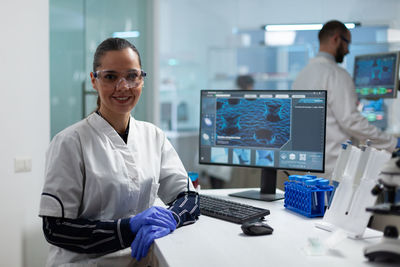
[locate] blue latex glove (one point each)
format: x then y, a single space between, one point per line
145 237
157 216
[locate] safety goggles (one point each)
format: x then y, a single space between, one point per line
132 77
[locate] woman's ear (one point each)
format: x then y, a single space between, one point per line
93 80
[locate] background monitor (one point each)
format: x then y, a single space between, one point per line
377 75
268 129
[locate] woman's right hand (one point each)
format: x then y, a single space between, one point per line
157 216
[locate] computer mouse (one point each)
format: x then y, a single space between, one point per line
256 228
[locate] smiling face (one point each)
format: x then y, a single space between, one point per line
117 98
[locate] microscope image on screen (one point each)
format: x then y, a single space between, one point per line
272 113
241 156
207 125
374 72
253 122
219 155
376 75
265 158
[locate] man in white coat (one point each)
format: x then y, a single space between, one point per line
343 120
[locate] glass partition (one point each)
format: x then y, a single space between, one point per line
67 61
76 28
249 52
271 67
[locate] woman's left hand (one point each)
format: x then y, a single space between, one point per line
145 237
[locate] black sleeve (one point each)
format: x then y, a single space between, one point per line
88 236
186 208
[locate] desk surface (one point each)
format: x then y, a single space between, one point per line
214 242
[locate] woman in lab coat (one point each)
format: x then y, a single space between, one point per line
103 174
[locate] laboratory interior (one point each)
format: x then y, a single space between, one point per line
194 52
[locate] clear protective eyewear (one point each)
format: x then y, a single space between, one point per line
132 77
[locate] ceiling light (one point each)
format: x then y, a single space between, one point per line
128 34
303 27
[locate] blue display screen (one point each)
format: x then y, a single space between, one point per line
263 128
376 75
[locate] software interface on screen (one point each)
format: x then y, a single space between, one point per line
376 75
375 111
263 128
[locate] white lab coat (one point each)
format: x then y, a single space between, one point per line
96 176
343 120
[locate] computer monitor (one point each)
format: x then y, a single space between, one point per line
377 75
268 129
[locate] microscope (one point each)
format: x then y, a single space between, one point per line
388 249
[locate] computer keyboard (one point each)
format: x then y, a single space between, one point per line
229 210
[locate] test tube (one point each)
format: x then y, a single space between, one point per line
341 163
311 185
310 176
292 179
194 177
324 185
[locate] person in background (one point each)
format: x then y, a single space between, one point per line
343 120
103 174
245 82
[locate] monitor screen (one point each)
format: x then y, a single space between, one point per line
377 75
269 129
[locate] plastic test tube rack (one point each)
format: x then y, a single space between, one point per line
306 194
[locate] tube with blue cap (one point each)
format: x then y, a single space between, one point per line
339 167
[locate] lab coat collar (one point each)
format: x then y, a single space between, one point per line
103 127
326 55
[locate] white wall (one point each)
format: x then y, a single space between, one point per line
24 117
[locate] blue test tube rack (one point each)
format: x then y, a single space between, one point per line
306 195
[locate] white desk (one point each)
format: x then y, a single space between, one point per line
214 242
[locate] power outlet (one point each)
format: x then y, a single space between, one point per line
22 165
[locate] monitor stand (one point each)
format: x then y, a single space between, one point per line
267 191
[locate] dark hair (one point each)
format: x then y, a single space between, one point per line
243 81
112 44
330 28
